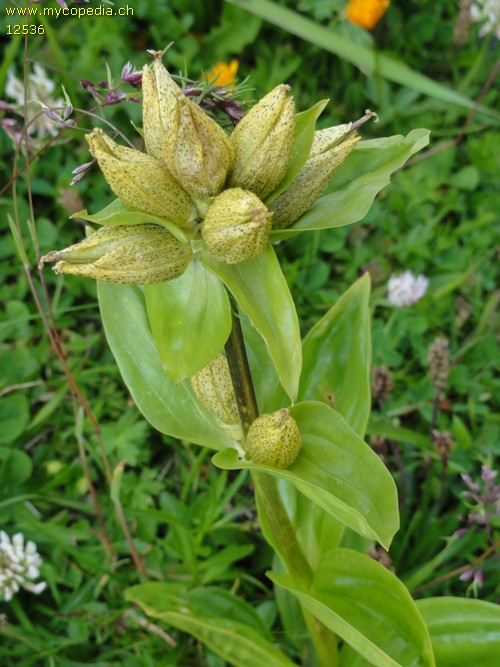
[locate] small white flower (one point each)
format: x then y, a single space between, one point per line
406 289
40 90
489 12
19 566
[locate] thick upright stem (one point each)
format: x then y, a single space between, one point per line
276 523
240 375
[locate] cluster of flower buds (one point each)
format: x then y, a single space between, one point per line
205 182
19 566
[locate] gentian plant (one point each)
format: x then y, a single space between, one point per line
204 329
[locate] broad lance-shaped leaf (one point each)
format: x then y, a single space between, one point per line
226 624
368 607
337 352
170 407
259 287
464 633
190 318
337 471
359 179
117 213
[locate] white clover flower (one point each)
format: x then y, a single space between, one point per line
489 12
406 289
19 566
40 90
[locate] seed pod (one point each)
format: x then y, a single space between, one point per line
141 181
274 439
236 226
125 254
330 148
263 142
214 389
193 147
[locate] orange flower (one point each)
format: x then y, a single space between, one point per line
366 13
226 73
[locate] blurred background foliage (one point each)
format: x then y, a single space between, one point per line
190 522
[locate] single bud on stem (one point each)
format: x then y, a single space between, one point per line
124 254
274 439
263 142
141 181
236 226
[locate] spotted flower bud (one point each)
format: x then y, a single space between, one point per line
236 226
214 389
193 147
274 439
330 148
128 254
263 142
141 181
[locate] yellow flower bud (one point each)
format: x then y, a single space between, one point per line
330 148
236 226
193 147
214 389
263 142
125 254
141 181
274 439
160 114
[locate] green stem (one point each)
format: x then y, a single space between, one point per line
276 523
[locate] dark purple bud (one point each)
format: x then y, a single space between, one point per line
131 75
113 98
88 85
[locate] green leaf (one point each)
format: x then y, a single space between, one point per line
170 407
259 287
317 530
337 353
15 467
117 213
14 417
368 607
226 624
366 59
463 632
190 318
337 471
359 179
305 127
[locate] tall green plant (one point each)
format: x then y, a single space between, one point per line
204 329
